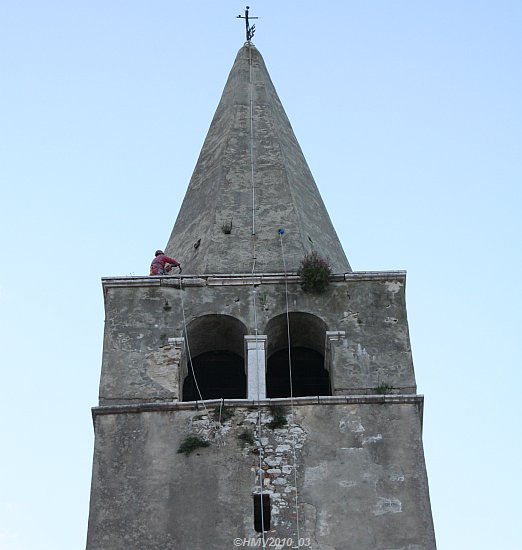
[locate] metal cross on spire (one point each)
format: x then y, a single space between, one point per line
250 30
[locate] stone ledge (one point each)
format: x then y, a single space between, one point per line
241 279
402 390
108 282
183 282
391 399
372 275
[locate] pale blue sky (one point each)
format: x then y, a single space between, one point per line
410 116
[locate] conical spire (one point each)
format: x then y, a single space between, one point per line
250 181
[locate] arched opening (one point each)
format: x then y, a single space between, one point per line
307 339
217 349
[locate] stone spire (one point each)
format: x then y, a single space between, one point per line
251 179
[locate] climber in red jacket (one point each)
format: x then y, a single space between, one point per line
162 264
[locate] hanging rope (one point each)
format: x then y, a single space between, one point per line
252 158
259 424
281 233
215 426
254 294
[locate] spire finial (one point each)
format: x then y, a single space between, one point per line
250 30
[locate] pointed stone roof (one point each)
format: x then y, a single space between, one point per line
251 174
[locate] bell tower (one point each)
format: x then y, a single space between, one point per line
240 404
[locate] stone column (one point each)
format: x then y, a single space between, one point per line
334 339
180 357
255 366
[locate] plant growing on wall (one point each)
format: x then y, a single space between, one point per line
314 272
383 388
222 414
278 418
191 443
246 438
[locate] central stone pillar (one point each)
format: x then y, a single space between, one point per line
255 366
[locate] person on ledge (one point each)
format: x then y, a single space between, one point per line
161 264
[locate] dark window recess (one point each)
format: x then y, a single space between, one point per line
262 513
308 374
220 374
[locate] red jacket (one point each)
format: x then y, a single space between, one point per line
157 267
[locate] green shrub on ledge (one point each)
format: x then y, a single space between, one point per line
314 272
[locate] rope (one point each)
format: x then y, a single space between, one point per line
281 233
252 160
252 140
214 426
259 425
254 293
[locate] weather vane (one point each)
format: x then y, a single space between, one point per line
250 30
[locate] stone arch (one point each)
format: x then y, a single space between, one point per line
307 345
216 344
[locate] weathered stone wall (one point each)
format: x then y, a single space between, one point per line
358 469
142 314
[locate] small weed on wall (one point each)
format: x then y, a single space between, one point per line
222 413
384 389
278 418
191 443
246 438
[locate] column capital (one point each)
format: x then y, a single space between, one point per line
335 335
176 342
251 340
